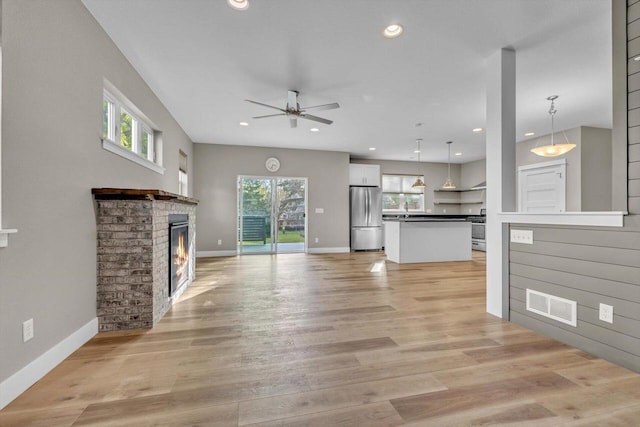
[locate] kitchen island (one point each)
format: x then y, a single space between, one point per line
427 239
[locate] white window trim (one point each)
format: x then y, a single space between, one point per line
140 123
130 155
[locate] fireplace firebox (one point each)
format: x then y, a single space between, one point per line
178 251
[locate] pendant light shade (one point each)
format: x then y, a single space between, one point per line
419 182
553 149
448 184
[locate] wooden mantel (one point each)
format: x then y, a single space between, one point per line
139 194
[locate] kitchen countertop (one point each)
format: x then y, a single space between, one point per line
422 216
426 219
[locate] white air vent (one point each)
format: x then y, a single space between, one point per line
556 308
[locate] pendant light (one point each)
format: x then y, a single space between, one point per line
448 184
553 149
419 182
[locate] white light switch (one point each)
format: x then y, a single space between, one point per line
522 236
319 210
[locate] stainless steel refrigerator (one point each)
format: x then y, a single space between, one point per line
366 218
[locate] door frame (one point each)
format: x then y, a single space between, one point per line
562 163
274 224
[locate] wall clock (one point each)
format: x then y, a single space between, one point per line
272 164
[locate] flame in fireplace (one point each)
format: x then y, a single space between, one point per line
181 259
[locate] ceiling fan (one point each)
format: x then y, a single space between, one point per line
295 112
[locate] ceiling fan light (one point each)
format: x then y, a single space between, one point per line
239 4
553 150
392 31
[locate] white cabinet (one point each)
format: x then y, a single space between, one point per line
364 175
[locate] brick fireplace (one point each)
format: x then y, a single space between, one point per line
133 244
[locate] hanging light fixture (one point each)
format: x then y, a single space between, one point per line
419 182
448 184
553 149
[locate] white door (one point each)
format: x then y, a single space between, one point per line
542 187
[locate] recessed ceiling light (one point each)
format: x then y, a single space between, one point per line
416 151
637 58
392 31
372 148
244 124
478 130
458 154
529 134
239 4
314 129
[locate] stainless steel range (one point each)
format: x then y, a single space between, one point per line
478 241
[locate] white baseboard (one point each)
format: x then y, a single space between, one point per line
17 383
328 250
203 254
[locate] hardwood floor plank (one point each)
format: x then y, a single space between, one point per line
320 340
273 408
467 397
380 414
214 416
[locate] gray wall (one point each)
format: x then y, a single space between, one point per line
217 168
588 166
473 173
55 57
595 167
435 175
591 265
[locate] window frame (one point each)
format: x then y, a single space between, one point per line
403 193
183 174
118 104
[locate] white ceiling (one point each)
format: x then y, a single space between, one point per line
203 59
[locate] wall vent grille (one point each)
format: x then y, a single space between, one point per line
553 307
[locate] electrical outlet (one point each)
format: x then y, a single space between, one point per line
606 313
522 236
219 242
470 210
444 211
27 330
428 210
316 240
319 210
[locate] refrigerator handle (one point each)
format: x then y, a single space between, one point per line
367 205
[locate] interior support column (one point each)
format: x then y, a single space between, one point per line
501 174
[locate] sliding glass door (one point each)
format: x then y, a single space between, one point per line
271 215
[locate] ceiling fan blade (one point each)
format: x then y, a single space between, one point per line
293 122
292 100
331 106
316 119
269 115
265 105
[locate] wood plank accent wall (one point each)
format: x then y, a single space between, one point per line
633 103
591 265
588 265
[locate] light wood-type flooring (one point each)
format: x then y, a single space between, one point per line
321 340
